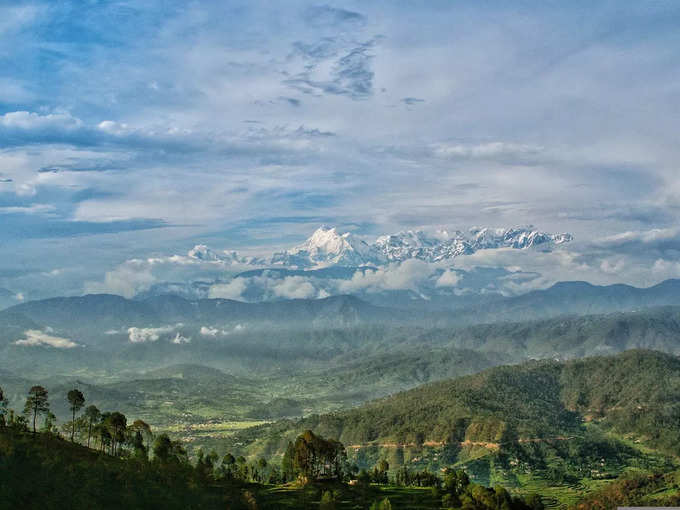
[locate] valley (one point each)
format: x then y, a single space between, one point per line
520 404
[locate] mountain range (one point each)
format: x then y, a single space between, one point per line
328 247
107 311
111 311
108 333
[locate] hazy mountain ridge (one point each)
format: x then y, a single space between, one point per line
112 317
115 311
582 298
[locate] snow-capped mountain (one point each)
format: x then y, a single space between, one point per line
445 245
487 238
330 263
203 253
327 247
418 245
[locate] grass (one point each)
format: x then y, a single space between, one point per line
293 496
556 496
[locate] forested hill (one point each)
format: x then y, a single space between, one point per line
533 401
575 336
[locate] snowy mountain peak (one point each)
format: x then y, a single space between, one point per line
327 247
444 245
204 254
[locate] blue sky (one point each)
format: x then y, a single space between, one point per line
138 129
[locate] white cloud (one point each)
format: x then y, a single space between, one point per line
181 339
138 275
613 265
665 269
651 236
143 335
24 120
112 127
503 151
30 209
294 287
408 275
126 280
449 278
232 290
214 331
34 337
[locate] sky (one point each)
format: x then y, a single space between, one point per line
135 130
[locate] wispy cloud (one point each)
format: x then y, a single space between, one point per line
350 74
326 15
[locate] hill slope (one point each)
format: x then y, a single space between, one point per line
536 400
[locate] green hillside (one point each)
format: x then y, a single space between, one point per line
555 426
538 399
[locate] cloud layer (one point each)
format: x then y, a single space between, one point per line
243 125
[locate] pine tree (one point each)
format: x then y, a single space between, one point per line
36 404
76 401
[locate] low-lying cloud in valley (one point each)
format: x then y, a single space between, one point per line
35 338
142 335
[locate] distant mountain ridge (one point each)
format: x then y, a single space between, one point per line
562 299
327 247
111 311
580 298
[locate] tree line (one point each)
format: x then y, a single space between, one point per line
150 463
